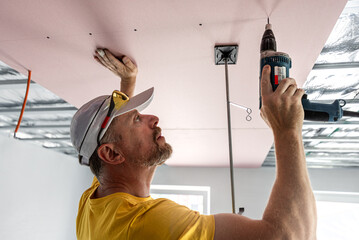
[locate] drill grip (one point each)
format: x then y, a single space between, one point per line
321 111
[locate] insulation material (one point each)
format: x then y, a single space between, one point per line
41 123
333 84
343 43
341 47
13 86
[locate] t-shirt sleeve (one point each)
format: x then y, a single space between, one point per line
165 219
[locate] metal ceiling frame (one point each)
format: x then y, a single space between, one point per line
339 65
41 110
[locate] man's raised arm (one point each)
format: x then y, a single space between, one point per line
124 68
291 210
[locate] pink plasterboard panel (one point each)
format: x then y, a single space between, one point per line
174 54
191 145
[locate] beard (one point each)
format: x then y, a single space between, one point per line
157 155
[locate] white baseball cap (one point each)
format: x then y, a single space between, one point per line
93 117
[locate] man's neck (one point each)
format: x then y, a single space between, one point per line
132 180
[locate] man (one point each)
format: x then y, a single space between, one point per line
123 149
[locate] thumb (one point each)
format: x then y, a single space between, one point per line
266 87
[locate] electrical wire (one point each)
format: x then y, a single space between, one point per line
24 103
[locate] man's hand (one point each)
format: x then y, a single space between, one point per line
282 110
124 68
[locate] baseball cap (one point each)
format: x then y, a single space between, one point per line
88 121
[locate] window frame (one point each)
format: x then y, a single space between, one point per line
204 191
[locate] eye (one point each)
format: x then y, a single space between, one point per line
137 118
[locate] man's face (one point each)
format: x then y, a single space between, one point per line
142 142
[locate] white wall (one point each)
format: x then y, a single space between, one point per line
252 186
40 190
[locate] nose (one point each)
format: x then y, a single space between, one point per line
153 121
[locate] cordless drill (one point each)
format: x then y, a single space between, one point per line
280 64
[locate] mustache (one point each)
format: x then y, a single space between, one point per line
156 132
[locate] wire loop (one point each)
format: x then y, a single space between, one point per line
248 110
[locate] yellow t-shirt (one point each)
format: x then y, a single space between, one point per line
123 216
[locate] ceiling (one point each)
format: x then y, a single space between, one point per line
172 44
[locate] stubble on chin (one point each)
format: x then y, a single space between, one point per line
164 153
158 154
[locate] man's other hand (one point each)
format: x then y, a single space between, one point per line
123 68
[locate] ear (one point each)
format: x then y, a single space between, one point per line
110 154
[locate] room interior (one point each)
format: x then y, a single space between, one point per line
172 43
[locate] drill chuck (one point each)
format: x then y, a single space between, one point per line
268 42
